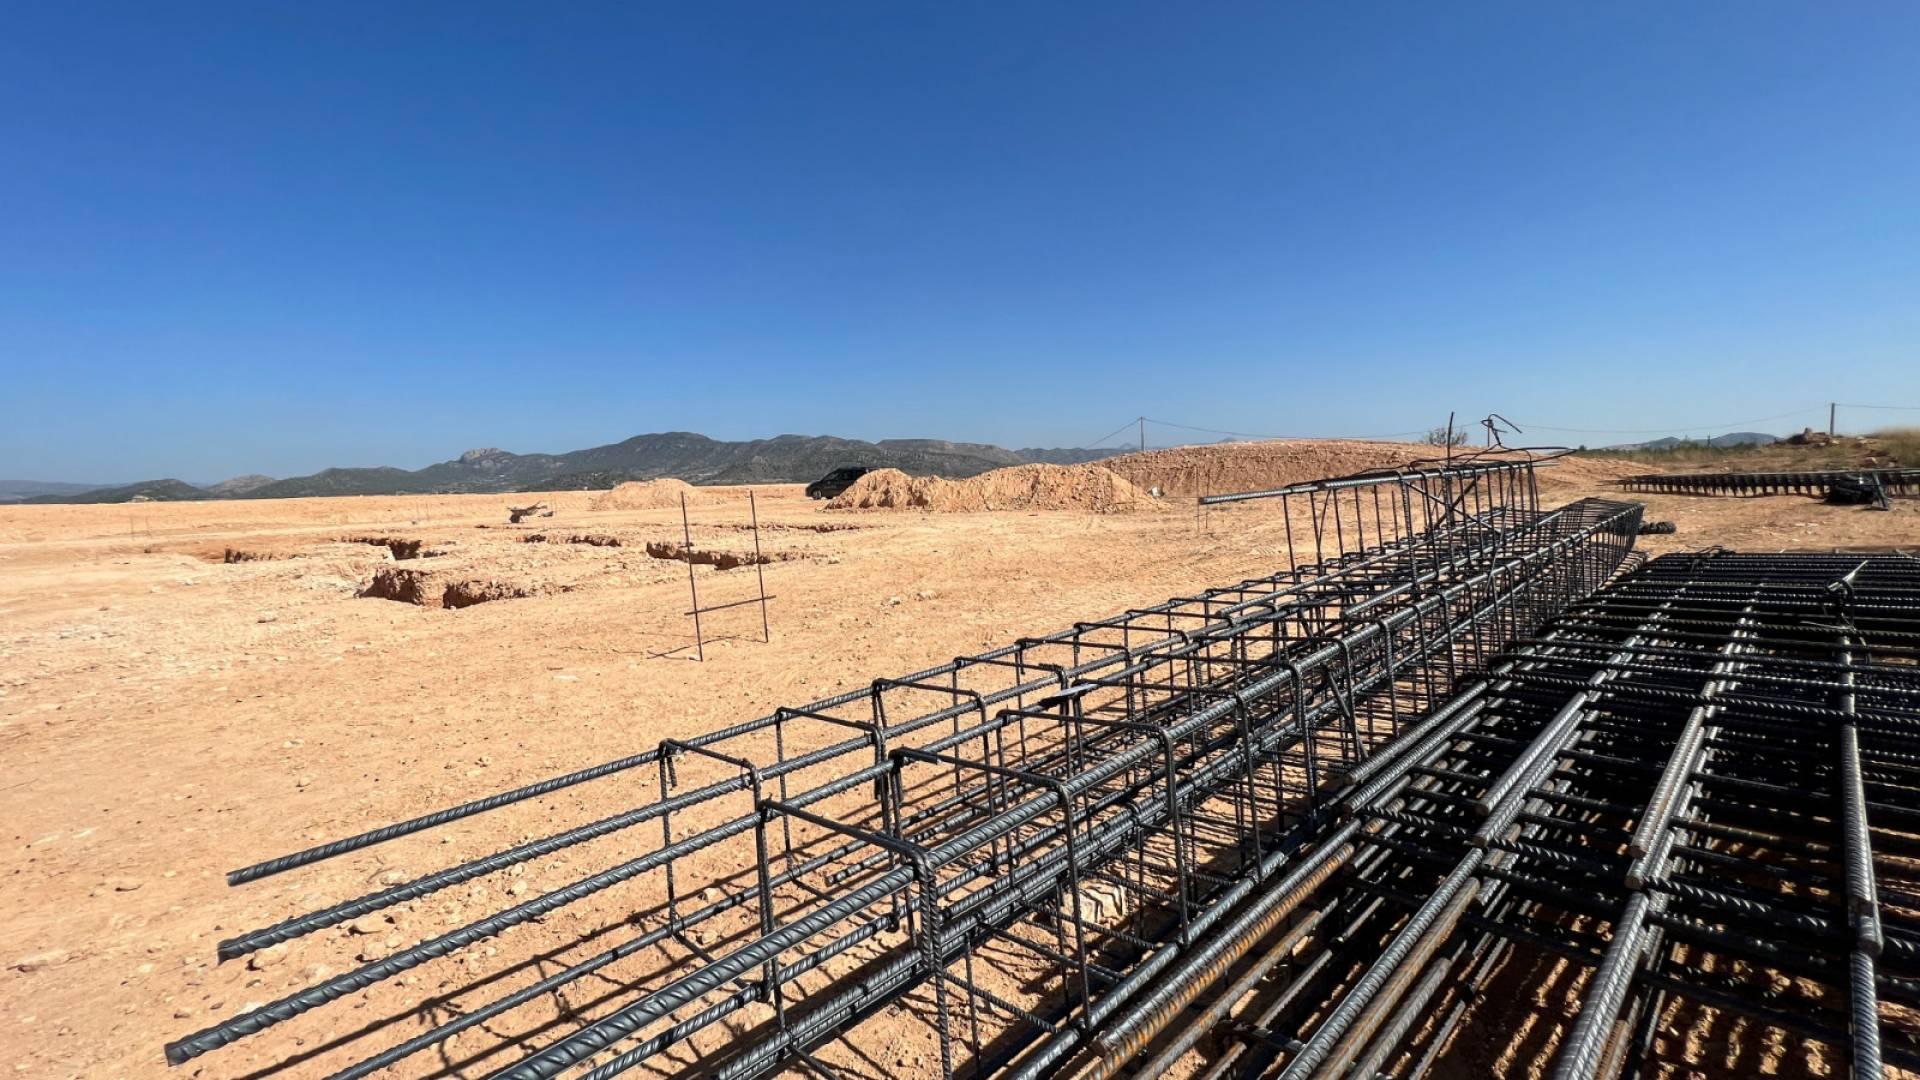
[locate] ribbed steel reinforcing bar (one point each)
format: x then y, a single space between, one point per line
1700 784
1013 837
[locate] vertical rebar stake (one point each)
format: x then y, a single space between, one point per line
759 567
686 536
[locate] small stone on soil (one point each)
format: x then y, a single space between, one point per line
267 958
46 959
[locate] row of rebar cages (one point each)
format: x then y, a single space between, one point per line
997 836
1675 834
1323 518
1818 483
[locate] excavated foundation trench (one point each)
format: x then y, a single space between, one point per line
420 588
461 594
719 560
590 539
400 547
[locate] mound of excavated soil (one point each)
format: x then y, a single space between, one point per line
1193 471
1217 470
891 489
1088 488
646 495
1581 471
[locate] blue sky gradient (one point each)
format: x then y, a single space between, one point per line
276 237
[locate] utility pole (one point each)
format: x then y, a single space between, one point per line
1143 434
1831 408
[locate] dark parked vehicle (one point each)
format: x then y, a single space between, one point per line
836 481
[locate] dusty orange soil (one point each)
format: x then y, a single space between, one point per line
1251 466
167 715
1093 488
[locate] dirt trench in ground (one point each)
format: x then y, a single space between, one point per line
589 539
401 548
425 588
719 560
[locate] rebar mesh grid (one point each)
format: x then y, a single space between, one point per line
1690 806
1081 798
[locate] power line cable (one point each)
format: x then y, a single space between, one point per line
1210 431
1717 427
1096 443
1727 426
1251 435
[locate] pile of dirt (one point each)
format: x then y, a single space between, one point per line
646 495
1582 471
1192 471
1089 488
406 586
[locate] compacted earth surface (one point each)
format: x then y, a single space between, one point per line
186 688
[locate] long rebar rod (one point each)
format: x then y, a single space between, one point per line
1717 823
1163 761
985 913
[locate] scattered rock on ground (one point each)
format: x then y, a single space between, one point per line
44 959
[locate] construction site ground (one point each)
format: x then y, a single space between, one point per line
187 687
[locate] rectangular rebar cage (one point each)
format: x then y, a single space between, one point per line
1013 842
1691 803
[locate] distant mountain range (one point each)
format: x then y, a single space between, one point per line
1736 438
238 486
688 456
144 491
16 490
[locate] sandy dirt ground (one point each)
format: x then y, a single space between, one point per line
167 714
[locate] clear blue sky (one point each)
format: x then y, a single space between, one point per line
275 236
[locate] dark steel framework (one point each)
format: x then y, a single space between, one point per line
1020 841
1699 787
1880 484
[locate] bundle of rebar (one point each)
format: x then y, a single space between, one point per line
1857 485
1677 832
1021 840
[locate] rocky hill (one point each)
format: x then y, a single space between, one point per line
683 454
17 490
145 491
1735 438
238 486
